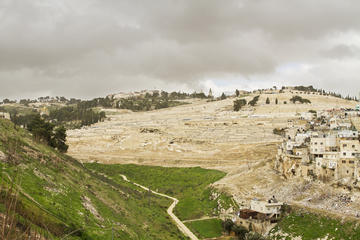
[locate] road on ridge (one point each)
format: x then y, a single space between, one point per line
170 210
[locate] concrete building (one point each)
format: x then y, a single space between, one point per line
271 207
328 152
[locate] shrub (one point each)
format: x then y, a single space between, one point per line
279 131
228 225
297 98
254 101
238 104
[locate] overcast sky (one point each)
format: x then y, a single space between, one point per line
90 48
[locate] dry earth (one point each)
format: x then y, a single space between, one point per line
211 135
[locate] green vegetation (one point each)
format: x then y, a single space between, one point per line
279 131
238 104
297 98
254 101
75 117
16 109
311 226
189 185
156 100
58 196
223 96
44 132
306 89
209 228
267 100
239 231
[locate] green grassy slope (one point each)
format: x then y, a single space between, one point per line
210 228
189 185
57 195
310 226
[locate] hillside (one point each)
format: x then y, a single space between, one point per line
211 135
58 197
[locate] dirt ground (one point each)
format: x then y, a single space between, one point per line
209 135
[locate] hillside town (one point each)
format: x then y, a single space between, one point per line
321 145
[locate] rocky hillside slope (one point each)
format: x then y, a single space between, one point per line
211 135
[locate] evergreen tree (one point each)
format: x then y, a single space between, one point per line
237 93
223 96
41 130
267 101
59 139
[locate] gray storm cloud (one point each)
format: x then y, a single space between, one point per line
92 48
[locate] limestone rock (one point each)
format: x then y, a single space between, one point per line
2 156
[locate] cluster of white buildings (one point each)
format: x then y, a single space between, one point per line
326 147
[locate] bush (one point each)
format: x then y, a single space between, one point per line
297 98
228 225
238 104
254 101
239 231
254 236
279 131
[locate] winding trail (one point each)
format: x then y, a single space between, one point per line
170 210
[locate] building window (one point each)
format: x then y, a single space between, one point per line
344 145
353 146
321 143
353 154
343 161
352 162
344 153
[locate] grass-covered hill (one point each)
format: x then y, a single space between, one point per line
191 186
308 225
50 194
